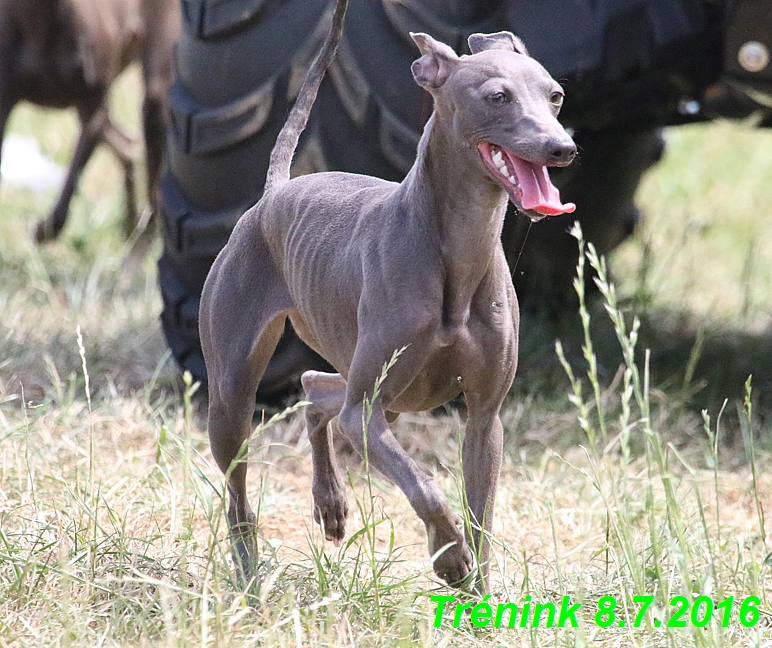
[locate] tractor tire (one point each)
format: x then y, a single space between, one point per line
235 64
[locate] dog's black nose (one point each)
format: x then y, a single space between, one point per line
562 151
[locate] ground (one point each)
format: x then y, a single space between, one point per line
615 485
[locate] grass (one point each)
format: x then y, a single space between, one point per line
615 481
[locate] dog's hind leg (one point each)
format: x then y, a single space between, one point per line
231 406
240 325
326 394
93 120
123 147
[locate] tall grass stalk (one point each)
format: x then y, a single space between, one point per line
92 502
587 348
745 413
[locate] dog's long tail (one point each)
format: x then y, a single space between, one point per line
287 141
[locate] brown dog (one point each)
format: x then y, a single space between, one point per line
364 267
62 53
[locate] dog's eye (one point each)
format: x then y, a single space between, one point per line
498 98
556 98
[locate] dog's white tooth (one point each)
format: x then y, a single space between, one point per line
504 170
497 157
512 179
500 163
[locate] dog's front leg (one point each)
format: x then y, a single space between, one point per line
443 528
452 558
481 453
123 147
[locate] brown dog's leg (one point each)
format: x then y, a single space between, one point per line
93 122
5 111
9 94
327 394
153 126
162 25
123 147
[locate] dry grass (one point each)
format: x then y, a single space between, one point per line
111 525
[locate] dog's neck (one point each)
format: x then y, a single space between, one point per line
462 206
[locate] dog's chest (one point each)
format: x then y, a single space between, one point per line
441 377
451 334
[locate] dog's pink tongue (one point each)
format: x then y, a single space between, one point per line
539 194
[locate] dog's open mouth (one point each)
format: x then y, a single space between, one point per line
528 185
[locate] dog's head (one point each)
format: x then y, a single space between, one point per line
503 104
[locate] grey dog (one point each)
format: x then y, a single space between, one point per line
363 267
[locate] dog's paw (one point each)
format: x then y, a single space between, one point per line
454 565
330 512
243 545
451 558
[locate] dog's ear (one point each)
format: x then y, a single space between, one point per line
436 64
500 40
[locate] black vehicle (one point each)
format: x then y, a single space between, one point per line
629 67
